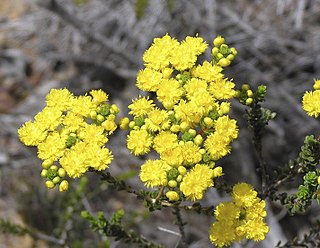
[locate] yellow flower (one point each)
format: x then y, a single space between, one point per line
227 211
169 92
50 118
53 147
191 153
189 112
222 88
157 120
226 128
217 146
196 182
165 140
222 233
83 105
158 55
154 173
183 58
257 209
93 134
311 103
74 161
73 122
203 104
316 84
243 194
139 142
60 99
194 86
185 55
32 133
98 157
148 79
98 96
208 72
173 157
256 229
141 106
196 44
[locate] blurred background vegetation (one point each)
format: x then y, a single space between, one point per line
91 44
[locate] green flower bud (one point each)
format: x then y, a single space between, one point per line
233 51
249 93
93 114
114 109
172 183
249 101
100 118
224 62
187 136
132 124
56 180
219 56
230 57
184 126
224 49
64 185
218 41
208 121
172 174
245 87
175 128
198 140
49 184
124 123
111 117
44 173
104 110
139 121
61 172
46 164
193 132
172 196
215 51
179 178
182 170
54 168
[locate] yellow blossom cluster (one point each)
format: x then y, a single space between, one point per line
188 125
241 218
71 133
311 100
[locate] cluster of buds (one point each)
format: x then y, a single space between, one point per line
246 96
55 176
105 116
222 54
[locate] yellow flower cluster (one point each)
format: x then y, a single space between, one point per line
311 100
71 132
241 218
189 126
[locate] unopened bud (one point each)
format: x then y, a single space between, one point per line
49 184
172 196
64 185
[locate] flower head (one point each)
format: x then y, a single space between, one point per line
139 142
196 182
141 106
154 173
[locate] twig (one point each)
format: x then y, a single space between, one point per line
180 224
